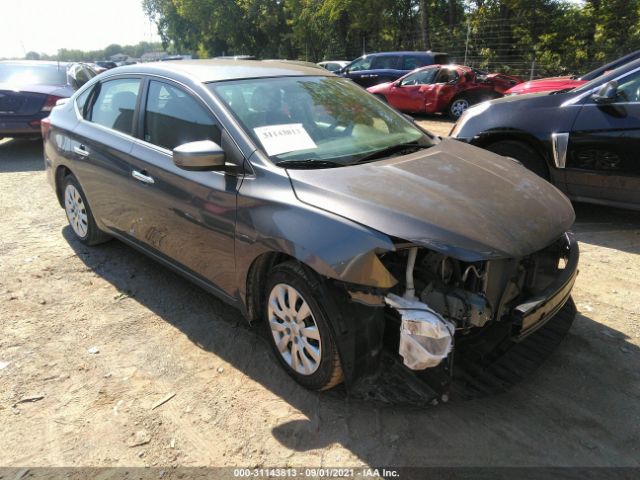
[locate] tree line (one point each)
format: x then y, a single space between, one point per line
556 36
77 55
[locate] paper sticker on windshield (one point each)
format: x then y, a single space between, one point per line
277 139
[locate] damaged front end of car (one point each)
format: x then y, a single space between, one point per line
442 308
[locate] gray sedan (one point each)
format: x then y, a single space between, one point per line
317 210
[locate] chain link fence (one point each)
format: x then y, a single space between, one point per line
496 45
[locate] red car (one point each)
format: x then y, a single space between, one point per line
552 84
555 84
443 88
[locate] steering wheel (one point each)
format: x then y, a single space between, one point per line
331 128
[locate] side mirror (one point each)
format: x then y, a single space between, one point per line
607 93
204 155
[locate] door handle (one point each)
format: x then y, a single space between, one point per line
81 150
142 177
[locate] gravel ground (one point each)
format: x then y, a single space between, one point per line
92 340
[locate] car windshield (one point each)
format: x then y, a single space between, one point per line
32 74
322 119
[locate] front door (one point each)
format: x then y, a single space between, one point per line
187 217
410 93
603 162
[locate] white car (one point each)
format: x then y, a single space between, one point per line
334 65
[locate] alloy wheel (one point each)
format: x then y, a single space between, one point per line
459 106
76 211
294 329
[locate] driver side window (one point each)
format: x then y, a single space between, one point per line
362 64
446 76
423 77
629 88
173 117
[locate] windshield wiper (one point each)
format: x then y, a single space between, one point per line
388 151
308 164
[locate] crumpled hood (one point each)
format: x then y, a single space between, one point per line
453 198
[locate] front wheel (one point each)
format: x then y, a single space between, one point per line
298 327
458 107
79 214
522 152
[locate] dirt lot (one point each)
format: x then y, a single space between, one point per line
92 339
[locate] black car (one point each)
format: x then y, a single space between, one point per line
585 141
375 68
30 89
342 229
106 64
618 62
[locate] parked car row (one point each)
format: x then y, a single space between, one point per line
320 212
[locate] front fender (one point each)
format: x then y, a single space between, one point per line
270 219
332 246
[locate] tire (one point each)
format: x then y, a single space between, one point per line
381 97
79 213
522 152
316 365
458 106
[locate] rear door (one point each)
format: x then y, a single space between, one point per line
100 149
602 159
187 217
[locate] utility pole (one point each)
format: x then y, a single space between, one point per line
466 45
424 24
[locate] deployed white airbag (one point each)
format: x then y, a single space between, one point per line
426 338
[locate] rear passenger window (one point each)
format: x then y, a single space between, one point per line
413 62
81 101
384 62
173 118
115 104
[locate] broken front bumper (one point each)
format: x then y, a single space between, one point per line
529 316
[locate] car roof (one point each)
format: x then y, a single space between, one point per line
215 70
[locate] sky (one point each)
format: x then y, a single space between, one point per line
44 26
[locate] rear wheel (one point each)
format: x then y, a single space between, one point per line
458 107
79 214
524 154
298 327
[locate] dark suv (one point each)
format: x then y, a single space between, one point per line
584 141
375 68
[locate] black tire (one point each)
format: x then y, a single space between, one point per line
93 234
524 154
328 372
458 106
